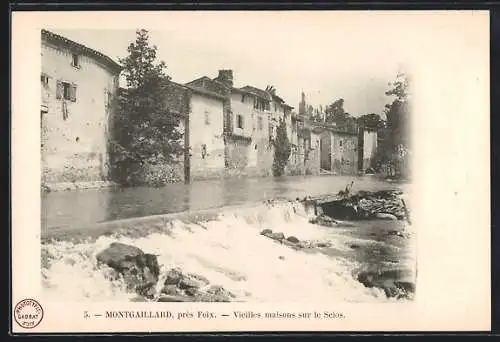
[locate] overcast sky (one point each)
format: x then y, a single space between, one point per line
328 56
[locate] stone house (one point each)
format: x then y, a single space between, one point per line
250 117
339 149
78 88
205 137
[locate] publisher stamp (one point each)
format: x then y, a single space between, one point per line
28 313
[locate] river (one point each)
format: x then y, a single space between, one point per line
228 250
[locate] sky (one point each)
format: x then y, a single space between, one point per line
327 56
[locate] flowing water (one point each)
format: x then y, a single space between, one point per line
226 248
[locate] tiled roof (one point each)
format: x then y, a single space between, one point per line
58 39
258 92
203 91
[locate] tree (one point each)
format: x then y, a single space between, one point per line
335 113
370 121
145 131
397 112
396 140
282 149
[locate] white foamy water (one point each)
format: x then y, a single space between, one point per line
229 251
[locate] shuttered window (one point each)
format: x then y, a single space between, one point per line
66 90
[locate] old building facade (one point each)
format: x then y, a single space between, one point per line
227 131
78 87
250 117
339 149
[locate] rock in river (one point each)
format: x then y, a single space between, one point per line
275 236
395 283
266 232
385 216
292 239
139 270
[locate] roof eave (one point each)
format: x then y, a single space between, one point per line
58 39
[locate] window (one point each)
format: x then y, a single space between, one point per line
203 151
275 107
207 118
260 125
75 60
66 91
243 98
239 121
340 143
44 79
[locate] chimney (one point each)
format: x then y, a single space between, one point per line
226 77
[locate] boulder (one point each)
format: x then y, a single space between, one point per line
174 276
395 283
116 253
323 220
139 270
199 278
220 291
188 283
385 216
292 239
206 297
171 290
266 232
276 236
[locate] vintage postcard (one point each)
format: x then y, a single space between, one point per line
250 171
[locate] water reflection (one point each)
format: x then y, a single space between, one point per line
83 207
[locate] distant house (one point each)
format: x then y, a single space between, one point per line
205 139
339 149
78 87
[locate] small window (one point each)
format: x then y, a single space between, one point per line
75 60
243 98
275 107
44 79
340 143
207 118
239 121
203 151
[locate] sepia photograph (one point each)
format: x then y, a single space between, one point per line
272 165
304 173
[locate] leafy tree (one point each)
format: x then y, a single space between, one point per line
145 132
371 121
282 149
397 112
396 142
335 113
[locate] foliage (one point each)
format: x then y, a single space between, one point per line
282 149
370 121
335 113
145 132
394 152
